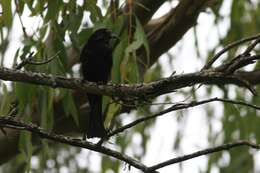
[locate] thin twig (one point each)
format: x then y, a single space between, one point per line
29 60
45 61
20 19
203 152
178 106
239 62
24 61
251 47
227 48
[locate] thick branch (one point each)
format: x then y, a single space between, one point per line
151 89
251 76
145 9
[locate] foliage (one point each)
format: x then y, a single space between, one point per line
63 27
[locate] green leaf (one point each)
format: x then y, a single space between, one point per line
7 12
95 11
39 8
59 65
45 154
133 46
43 31
29 4
20 7
24 97
130 66
111 112
118 56
53 10
5 100
140 34
69 106
132 69
25 145
45 110
75 19
16 56
84 35
110 165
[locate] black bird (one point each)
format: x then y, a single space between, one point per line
96 63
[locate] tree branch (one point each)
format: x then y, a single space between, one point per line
228 47
140 91
144 9
203 152
179 106
10 122
251 76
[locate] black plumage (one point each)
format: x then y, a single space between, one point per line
96 64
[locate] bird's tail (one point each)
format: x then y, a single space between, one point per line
95 125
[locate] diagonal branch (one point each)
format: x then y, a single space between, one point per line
144 9
203 152
230 46
179 106
10 122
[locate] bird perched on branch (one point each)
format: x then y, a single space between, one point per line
96 63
